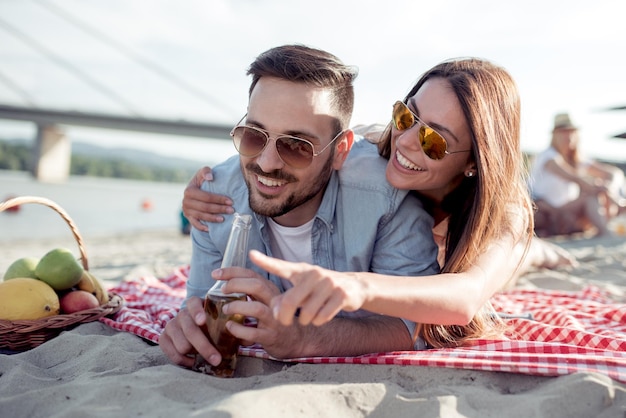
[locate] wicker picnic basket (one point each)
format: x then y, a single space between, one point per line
26 334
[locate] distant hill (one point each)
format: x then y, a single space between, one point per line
123 154
93 160
134 156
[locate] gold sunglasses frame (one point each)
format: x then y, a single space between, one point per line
417 120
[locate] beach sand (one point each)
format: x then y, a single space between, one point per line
96 371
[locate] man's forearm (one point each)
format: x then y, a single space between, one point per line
356 336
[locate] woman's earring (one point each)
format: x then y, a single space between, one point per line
469 174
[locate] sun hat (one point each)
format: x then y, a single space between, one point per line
563 121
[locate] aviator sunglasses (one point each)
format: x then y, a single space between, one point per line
295 152
433 143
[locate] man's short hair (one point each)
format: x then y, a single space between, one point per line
302 64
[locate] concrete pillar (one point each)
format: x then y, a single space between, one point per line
51 154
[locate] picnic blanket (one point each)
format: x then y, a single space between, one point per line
581 331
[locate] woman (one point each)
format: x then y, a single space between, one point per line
455 141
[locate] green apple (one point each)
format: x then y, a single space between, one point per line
60 269
22 267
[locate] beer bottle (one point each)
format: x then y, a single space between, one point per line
235 255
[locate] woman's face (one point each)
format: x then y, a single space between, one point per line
409 168
565 140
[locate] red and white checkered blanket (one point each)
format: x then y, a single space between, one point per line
583 331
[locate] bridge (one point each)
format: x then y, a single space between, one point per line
51 154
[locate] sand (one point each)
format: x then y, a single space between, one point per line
96 371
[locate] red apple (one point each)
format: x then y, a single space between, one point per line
78 300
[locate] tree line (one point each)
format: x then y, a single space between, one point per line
18 157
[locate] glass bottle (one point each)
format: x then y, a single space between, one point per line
235 255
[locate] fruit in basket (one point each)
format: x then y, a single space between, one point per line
22 267
26 298
59 268
90 283
77 300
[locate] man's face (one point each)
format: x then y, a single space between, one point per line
288 195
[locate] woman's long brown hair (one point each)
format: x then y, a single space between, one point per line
485 207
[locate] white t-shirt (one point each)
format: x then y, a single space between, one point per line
291 244
549 187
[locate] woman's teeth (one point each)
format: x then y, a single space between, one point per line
406 163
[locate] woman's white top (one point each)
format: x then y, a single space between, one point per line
549 187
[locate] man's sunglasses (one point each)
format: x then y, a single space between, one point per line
293 151
433 143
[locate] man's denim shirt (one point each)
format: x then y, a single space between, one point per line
363 224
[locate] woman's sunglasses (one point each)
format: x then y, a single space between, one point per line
433 143
293 151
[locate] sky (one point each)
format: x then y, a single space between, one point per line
186 59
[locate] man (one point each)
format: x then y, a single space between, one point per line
309 204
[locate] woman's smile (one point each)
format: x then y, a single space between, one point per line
406 163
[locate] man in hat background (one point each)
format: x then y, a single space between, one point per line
573 194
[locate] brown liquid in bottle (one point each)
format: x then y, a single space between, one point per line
235 254
219 336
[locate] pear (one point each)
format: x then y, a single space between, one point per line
22 267
60 269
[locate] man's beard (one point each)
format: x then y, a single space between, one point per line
265 205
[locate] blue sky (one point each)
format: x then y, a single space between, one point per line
565 56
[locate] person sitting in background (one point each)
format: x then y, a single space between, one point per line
573 194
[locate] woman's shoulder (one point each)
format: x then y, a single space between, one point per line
542 157
548 153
